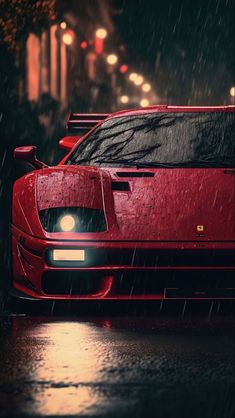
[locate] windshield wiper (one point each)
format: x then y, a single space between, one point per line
223 160
208 162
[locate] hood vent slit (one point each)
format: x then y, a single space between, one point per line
135 174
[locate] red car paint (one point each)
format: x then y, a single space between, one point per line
174 214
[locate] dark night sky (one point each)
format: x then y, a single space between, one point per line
186 47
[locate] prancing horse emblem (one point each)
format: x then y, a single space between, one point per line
200 228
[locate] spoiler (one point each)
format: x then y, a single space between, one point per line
84 121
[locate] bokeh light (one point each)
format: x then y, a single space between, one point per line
123 68
101 33
83 44
124 99
232 91
63 25
139 80
112 59
133 76
146 87
67 38
144 102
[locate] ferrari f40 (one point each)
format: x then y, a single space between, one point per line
141 207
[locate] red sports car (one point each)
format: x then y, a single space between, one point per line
141 207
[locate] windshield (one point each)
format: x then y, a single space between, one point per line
198 139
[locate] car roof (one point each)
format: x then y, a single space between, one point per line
166 108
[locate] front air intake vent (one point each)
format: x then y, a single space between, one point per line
135 174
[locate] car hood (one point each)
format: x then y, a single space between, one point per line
179 204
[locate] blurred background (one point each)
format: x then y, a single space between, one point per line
58 56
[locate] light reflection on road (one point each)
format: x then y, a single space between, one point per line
71 363
113 367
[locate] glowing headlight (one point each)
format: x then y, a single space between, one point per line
67 223
73 219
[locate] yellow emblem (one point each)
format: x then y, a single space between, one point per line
200 228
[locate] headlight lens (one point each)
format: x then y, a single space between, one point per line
67 223
73 220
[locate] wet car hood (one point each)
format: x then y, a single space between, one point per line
178 204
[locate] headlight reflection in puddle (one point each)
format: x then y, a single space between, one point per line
68 369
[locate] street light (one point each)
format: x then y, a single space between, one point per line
112 59
133 76
144 102
139 80
124 99
68 38
146 87
63 25
101 33
232 91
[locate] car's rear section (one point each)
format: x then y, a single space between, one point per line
149 233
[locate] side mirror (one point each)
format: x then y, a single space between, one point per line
28 155
68 142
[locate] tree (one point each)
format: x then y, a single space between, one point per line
20 17
18 121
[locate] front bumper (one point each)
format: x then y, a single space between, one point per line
124 270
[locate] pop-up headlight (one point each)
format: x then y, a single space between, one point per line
73 219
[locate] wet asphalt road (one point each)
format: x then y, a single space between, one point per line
126 366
